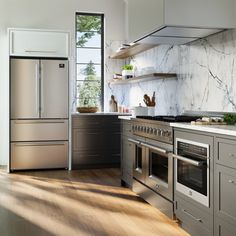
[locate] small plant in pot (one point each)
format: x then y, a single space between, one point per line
127 71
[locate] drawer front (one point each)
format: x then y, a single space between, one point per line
193 218
112 141
39 43
87 158
39 130
222 228
225 193
87 140
91 158
87 122
226 152
112 123
39 155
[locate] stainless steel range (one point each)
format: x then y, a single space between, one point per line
153 172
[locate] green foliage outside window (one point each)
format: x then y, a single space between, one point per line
90 90
88 25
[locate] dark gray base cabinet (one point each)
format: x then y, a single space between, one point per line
225 187
193 219
95 141
222 228
126 154
219 220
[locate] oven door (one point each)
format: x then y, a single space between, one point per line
159 175
139 159
192 172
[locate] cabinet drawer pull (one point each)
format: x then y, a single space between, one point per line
39 122
232 155
193 217
42 51
232 181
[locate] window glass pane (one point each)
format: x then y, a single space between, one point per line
88 23
88 39
85 55
89 93
89 29
82 71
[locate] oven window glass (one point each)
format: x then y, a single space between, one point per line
194 177
138 158
158 166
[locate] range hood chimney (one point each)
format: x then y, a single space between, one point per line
177 21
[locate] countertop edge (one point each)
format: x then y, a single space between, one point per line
217 129
125 117
100 114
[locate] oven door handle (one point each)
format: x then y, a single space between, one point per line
192 162
155 148
134 141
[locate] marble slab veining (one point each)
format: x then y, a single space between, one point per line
206 72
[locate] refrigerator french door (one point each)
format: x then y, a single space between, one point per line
39 113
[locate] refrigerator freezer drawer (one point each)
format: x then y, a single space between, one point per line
39 130
39 155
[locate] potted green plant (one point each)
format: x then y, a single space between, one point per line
127 71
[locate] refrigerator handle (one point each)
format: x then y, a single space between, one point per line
37 87
42 89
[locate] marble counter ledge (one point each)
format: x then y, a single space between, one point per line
217 129
122 117
100 114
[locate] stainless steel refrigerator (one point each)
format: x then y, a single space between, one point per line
39 113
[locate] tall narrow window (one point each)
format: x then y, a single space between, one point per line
89 59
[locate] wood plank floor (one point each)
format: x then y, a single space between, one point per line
90 202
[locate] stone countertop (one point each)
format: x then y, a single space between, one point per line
100 114
217 129
122 117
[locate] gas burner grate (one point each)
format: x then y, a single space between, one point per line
181 118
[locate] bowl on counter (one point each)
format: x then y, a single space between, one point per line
87 109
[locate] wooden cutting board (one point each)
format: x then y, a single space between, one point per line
207 123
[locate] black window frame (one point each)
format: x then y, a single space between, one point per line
102 54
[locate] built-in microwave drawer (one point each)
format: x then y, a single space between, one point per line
39 130
39 155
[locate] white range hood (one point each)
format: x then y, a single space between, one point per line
177 21
177 35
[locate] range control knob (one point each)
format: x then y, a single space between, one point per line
150 130
165 133
161 132
155 131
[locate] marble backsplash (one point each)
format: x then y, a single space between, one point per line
206 71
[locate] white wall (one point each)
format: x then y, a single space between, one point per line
47 14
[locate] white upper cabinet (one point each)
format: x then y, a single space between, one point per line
39 43
177 21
